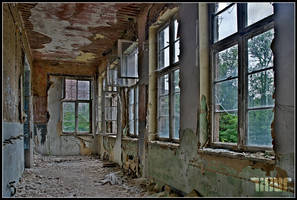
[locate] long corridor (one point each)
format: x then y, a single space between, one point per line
74 176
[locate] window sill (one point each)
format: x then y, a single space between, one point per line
77 134
130 139
108 135
259 156
165 144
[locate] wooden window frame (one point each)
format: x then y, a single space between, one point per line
240 38
105 90
173 66
135 110
76 103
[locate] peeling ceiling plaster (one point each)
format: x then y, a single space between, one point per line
75 32
53 19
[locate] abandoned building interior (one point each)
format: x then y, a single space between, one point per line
195 96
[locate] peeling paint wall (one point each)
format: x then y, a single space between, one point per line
184 167
49 140
40 89
12 125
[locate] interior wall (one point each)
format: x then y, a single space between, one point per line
285 70
12 125
186 167
40 89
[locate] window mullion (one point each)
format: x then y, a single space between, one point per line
242 81
170 105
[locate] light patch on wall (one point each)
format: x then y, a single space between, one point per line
84 57
99 36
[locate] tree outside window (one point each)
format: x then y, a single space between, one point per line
76 106
168 82
243 78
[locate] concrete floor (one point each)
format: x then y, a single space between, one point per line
73 176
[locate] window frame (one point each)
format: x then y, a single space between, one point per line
241 37
76 103
106 89
170 69
135 110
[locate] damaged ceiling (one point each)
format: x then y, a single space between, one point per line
75 32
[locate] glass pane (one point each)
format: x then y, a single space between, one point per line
163 58
163 125
131 96
226 95
83 90
70 89
136 126
131 126
176 115
68 117
132 65
112 76
260 54
221 6
226 127
164 38
84 117
261 89
164 85
131 112
175 29
114 127
259 127
110 113
176 51
176 81
226 23
258 11
227 63
164 106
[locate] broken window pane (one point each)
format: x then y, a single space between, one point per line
136 110
226 95
164 38
175 30
164 127
176 115
131 96
259 52
70 89
227 63
220 6
132 65
176 51
110 113
68 117
226 23
83 117
163 58
258 11
260 89
259 127
176 81
226 126
164 85
83 90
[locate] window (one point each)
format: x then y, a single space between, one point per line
110 102
76 106
133 111
168 82
242 78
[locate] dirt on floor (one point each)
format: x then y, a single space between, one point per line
75 176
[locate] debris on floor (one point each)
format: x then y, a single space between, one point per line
112 179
